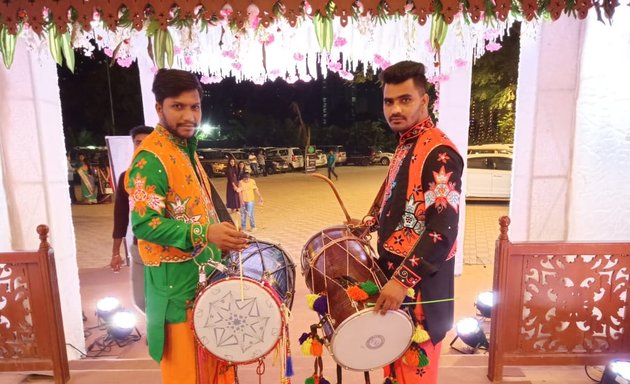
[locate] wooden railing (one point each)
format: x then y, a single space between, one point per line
559 303
31 328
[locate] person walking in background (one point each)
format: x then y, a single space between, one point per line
249 191
417 214
88 185
331 159
71 172
262 162
178 228
253 163
240 170
121 222
231 193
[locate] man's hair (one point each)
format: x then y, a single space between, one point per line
403 71
140 130
172 82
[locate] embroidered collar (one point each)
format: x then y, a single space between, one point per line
416 130
182 143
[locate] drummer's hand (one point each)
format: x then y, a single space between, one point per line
392 295
225 236
116 263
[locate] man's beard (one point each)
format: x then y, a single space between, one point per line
175 133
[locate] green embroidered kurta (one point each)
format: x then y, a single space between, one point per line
170 286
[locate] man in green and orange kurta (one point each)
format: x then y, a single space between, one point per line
177 227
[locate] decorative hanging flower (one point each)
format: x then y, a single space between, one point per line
493 46
340 42
297 56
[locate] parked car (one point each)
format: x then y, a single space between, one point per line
321 158
382 158
507 149
338 149
489 176
294 156
213 161
276 165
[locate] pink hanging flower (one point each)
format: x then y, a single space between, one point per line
226 12
270 39
428 46
334 66
340 42
346 75
204 79
154 69
491 34
493 46
124 62
229 53
274 72
297 56
307 8
188 60
237 66
460 63
177 50
381 62
109 52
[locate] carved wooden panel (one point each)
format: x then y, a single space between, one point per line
17 339
575 303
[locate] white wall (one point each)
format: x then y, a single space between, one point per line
35 177
545 124
454 118
600 186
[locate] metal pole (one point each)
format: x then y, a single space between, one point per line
111 99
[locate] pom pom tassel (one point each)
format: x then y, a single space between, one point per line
420 335
310 299
369 287
303 337
289 370
306 347
321 305
356 293
424 359
323 381
310 380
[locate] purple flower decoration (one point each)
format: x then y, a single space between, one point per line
334 66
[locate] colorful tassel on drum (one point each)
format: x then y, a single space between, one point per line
303 337
321 305
420 335
369 287
306 346
289 369
390 380
356 293
310 300
411 357
316 347
424 359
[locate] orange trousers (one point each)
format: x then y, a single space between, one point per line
406 374
180 360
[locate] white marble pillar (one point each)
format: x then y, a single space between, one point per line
600 177
34 172
454 120
545 124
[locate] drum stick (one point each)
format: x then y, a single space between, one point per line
420 302
240 268
330 183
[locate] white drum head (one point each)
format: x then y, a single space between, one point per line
235 330
368 340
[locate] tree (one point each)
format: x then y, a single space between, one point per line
493 94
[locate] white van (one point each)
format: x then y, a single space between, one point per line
294 156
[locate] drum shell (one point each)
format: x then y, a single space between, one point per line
264 261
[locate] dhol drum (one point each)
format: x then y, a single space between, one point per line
358 338
243 330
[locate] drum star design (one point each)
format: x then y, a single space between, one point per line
236 322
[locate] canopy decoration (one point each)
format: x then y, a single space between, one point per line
267 39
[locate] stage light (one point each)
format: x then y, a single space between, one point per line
122 324
616 372
484 303
470 332
106 307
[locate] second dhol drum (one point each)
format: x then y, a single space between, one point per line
244 329
358 338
